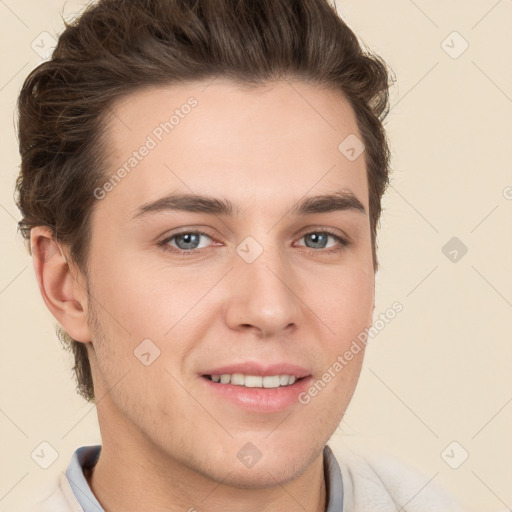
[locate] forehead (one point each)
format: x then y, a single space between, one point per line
275 143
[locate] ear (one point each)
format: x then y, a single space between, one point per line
64 294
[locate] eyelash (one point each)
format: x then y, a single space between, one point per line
164 244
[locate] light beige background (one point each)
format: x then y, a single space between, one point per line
441 370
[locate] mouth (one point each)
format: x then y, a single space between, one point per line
255 387
254 381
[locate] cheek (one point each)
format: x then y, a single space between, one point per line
346 309
345 304
147 300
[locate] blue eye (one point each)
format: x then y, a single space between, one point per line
185 241
320 238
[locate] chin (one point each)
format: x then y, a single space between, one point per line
267 468
264 474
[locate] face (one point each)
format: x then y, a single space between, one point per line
256 279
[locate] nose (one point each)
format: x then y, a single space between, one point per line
264 295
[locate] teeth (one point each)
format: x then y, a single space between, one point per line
237 379
251 381
271 381
255 381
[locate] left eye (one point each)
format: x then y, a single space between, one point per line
319 239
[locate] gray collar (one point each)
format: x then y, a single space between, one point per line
333 482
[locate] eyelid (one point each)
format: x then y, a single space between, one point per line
339 233
168 238
343 241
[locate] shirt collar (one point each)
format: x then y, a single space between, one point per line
86 457
83 459
333 482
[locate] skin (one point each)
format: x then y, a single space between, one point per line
167 443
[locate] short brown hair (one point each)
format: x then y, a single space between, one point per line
117 47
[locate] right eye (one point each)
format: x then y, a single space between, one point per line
185 242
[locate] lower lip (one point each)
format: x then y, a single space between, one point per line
260 399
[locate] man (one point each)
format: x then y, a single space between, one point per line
201 186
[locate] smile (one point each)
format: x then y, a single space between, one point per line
254 381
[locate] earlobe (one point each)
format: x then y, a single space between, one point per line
63 295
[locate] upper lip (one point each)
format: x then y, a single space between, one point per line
260 369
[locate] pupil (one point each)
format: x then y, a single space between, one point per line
316 237
188 239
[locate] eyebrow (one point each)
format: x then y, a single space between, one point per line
339 201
